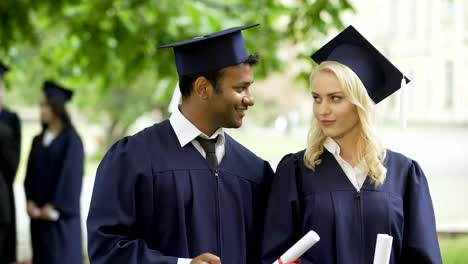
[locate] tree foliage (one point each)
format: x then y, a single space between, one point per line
108 49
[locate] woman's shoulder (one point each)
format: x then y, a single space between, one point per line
397 162
37 138
292 159
72 134
394 157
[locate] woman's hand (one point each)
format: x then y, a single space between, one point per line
33 211
49 213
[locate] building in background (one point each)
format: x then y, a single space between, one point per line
428 40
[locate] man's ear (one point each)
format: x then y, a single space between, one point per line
202 88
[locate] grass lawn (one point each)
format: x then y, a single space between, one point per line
446 193
269 144
454 250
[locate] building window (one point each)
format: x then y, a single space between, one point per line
449 84
428 87
394 17
448 13
413 20
429 17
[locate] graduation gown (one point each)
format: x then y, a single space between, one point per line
348 221
5 217
54 175
155 201
10 146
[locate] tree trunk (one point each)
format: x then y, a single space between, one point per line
113 133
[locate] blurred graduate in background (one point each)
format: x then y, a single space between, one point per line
10 146
53 182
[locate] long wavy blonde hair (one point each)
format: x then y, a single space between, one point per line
370 151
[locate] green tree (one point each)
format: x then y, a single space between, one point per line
107 49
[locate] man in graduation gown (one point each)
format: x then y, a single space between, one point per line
10 145
183 190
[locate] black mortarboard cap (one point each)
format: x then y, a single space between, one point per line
3 69
57 92
210 52
380 77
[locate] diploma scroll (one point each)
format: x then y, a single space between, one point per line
301 246
383 249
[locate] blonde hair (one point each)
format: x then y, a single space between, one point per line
370 151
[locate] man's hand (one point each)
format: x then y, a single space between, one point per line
33 211
206 258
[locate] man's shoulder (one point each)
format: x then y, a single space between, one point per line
144 137
237 147
152 131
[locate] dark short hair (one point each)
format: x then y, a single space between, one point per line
186 81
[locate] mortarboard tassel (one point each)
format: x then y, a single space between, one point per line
175 100
403 88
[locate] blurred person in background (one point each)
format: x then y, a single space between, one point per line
53 182
10 146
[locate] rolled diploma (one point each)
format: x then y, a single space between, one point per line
383 248
301 246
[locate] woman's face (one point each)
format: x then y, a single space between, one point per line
46 111
336 115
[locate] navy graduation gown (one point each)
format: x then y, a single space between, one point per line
154 201
54 175
348 221
10 146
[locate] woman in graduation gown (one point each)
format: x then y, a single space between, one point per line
345 186
53 183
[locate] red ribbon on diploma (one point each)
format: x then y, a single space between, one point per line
297 261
